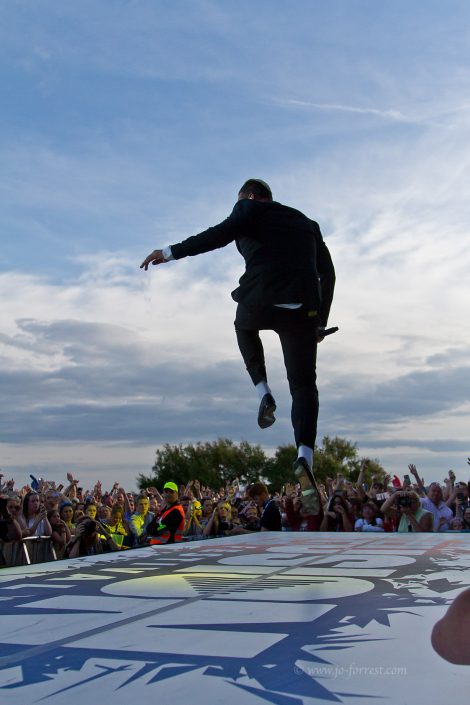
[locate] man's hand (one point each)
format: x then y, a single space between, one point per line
155 257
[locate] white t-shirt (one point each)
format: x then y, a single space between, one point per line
438 513
40 529
363 525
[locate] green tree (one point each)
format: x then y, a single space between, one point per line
280 469
335 456
213 464
338 455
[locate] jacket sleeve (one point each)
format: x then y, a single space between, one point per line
219 235
326 272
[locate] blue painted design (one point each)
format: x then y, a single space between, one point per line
274 673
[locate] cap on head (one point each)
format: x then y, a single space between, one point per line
171 486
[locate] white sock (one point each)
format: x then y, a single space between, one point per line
305 452
262 388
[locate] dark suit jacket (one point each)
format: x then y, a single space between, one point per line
286 259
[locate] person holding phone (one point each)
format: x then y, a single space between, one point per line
35 516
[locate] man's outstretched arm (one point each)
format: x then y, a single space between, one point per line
211 239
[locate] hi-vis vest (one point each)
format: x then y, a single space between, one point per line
164 535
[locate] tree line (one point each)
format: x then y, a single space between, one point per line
220 462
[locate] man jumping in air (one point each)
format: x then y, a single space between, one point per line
287 287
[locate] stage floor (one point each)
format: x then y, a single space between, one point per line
284 618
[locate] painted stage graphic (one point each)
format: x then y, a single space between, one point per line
283 618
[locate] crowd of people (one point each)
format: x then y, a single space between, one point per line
80 522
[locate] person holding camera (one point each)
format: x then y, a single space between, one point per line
91 538
406 508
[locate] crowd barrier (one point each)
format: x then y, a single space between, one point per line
40 549
32 549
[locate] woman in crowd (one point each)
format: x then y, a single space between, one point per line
193 512
67 515
207 507
78 513
369 520
118 525
35 516
220 523
60 532
406 508
13 505
338 516
103 513
91 510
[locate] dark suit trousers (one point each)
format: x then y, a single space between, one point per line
297 333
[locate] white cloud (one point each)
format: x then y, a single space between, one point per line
394 115
377 152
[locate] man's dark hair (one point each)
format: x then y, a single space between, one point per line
256 489
258 188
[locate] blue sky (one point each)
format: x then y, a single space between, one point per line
129 125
